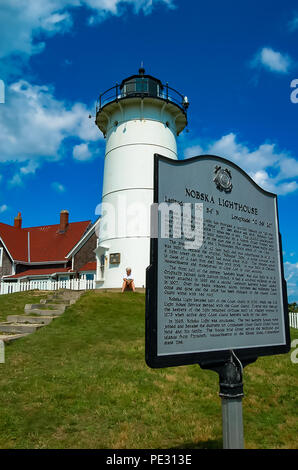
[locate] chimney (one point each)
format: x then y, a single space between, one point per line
18 221
63 221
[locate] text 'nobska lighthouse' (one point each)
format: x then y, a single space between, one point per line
140 117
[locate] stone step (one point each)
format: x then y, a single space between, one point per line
56 300
10 338
6 327
49 306
27 319
35 308
45 313
56 306
69 295
67 302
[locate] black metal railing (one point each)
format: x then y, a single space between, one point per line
142 87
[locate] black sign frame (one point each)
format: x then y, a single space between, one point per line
245 355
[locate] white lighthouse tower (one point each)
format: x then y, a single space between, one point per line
139 117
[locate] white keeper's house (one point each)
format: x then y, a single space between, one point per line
59 252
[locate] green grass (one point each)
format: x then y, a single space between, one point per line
82 382
13 304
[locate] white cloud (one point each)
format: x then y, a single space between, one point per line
117 7
24 22
271 60
193 151
3 208
34 126
29 168
16 180
81 152
33 123
58 187
57 22
271 169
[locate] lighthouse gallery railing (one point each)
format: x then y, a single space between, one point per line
143 88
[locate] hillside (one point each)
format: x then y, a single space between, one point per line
82 382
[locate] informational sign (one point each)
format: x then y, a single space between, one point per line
215 282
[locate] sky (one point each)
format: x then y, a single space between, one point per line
237 62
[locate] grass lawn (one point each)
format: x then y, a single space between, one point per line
82 382
13 304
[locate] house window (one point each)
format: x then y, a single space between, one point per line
1 257
89 277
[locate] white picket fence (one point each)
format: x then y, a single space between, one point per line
293 319
46 284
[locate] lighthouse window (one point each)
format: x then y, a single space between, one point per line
152 88
141 85
130 87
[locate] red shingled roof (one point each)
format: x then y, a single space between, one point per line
15 241
46 243
40 272
91 266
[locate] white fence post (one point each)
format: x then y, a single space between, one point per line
294 319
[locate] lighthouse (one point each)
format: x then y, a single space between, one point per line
138 118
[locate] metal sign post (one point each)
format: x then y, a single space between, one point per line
231 393
232 423
215 288
2 352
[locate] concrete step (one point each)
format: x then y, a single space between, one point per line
56 306
35 308
10 338
6 327
49 306
27 319
45 313
69 294
56 300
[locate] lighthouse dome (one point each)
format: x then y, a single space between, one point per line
146 88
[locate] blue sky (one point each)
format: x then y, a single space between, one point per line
235 61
